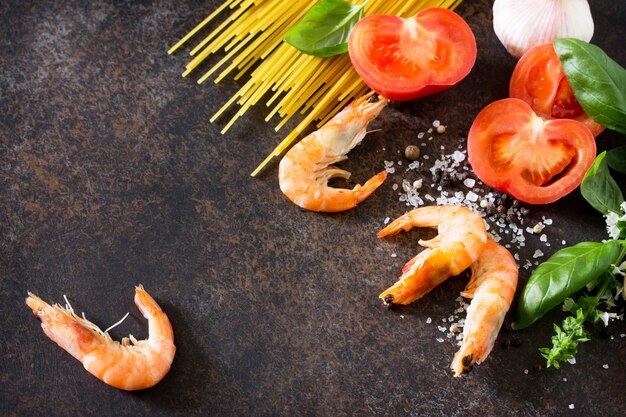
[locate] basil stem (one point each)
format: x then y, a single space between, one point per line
563 274
616 158
598 82
325 29
600 189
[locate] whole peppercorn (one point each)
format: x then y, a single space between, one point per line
412 152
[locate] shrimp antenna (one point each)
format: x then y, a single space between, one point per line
118 323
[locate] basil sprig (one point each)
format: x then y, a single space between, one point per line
600 189
563 274
616 158
598 82
325 29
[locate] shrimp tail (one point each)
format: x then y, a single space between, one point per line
401 224
145 303
365 190
465 358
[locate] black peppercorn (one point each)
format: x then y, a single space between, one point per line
412 152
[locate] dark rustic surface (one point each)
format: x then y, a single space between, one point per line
111 175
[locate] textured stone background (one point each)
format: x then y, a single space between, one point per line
111 175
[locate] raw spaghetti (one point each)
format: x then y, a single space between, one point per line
297 83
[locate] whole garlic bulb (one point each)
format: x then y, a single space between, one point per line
522 24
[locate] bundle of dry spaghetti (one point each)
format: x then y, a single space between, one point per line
252 37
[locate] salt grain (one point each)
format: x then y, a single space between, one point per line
429 320
571 406
469 182
605 366
538 254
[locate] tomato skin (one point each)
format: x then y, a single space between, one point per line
539 80
534 160
404 59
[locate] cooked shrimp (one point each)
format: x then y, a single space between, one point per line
491 288
304 171
124 366
461 238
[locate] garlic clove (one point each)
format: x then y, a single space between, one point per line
522 24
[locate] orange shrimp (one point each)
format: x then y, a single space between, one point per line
491 288
304 171
462 236
121 365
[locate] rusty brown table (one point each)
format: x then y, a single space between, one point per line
112 175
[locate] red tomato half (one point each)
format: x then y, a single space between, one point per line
403 59
539 80
535 160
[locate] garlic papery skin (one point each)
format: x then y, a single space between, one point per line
522 24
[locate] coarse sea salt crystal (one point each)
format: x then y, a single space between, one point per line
538 254
458 156
472 196
571 406
429 320
436 123
386 220
420 135
469 182
605 366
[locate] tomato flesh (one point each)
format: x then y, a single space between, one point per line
404 59
539 80
534 160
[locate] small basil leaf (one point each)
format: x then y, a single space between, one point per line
563 274
598 82
325 29
616 158
600 189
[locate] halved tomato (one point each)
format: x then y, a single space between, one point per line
404 59
539 80
534 160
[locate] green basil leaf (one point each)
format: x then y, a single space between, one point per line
600 189
616 158
563 274
598 82
325 29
